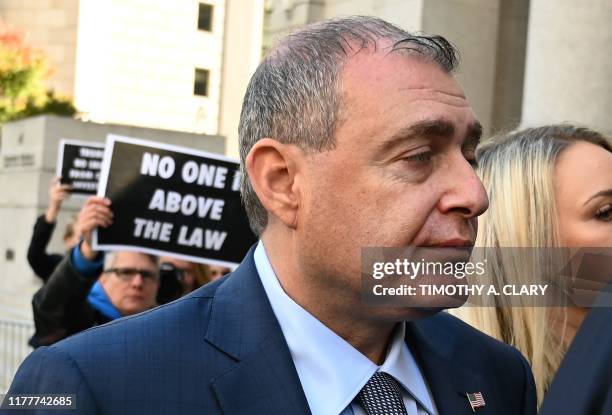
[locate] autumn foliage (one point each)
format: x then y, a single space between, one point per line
23 70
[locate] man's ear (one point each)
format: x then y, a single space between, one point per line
273 168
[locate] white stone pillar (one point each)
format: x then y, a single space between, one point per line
241 55
510 65
472 26
568 75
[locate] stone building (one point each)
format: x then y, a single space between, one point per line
175 65
523 62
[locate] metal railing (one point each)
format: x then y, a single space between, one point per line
14 336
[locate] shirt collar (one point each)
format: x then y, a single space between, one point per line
331 371
400 364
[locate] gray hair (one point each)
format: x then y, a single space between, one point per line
294 96
110 257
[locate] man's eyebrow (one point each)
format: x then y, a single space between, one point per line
607 192
440 128
425 128
473 135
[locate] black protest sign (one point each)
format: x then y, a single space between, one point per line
169 200
79 164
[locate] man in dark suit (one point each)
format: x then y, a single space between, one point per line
353 134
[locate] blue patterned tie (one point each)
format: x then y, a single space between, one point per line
382 395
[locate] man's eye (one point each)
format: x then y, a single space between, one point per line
604 213
424 157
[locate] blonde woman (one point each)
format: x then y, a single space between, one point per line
548 187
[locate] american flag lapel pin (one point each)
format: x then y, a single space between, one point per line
476 400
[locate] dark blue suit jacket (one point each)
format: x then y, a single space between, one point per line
221 350
583 383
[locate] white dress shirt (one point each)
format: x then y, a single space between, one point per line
331 371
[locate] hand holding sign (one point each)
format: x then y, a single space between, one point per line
95 213
57 194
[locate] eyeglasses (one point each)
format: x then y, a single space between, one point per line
127 274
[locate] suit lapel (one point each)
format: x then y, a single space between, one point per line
264 379
243 326
433 349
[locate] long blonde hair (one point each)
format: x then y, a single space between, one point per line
517 171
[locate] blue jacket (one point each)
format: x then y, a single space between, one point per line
221 350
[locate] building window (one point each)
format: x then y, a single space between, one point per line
200 84
205 16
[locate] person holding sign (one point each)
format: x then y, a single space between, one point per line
353 134
41 262
89 288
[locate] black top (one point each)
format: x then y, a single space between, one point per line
41 262
61 308
583 383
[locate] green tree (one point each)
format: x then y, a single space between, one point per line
23 71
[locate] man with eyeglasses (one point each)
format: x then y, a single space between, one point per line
89 288
130 280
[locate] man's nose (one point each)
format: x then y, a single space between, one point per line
465 194
137 280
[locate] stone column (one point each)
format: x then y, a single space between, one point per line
568 75
510 65
241 55
471 25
